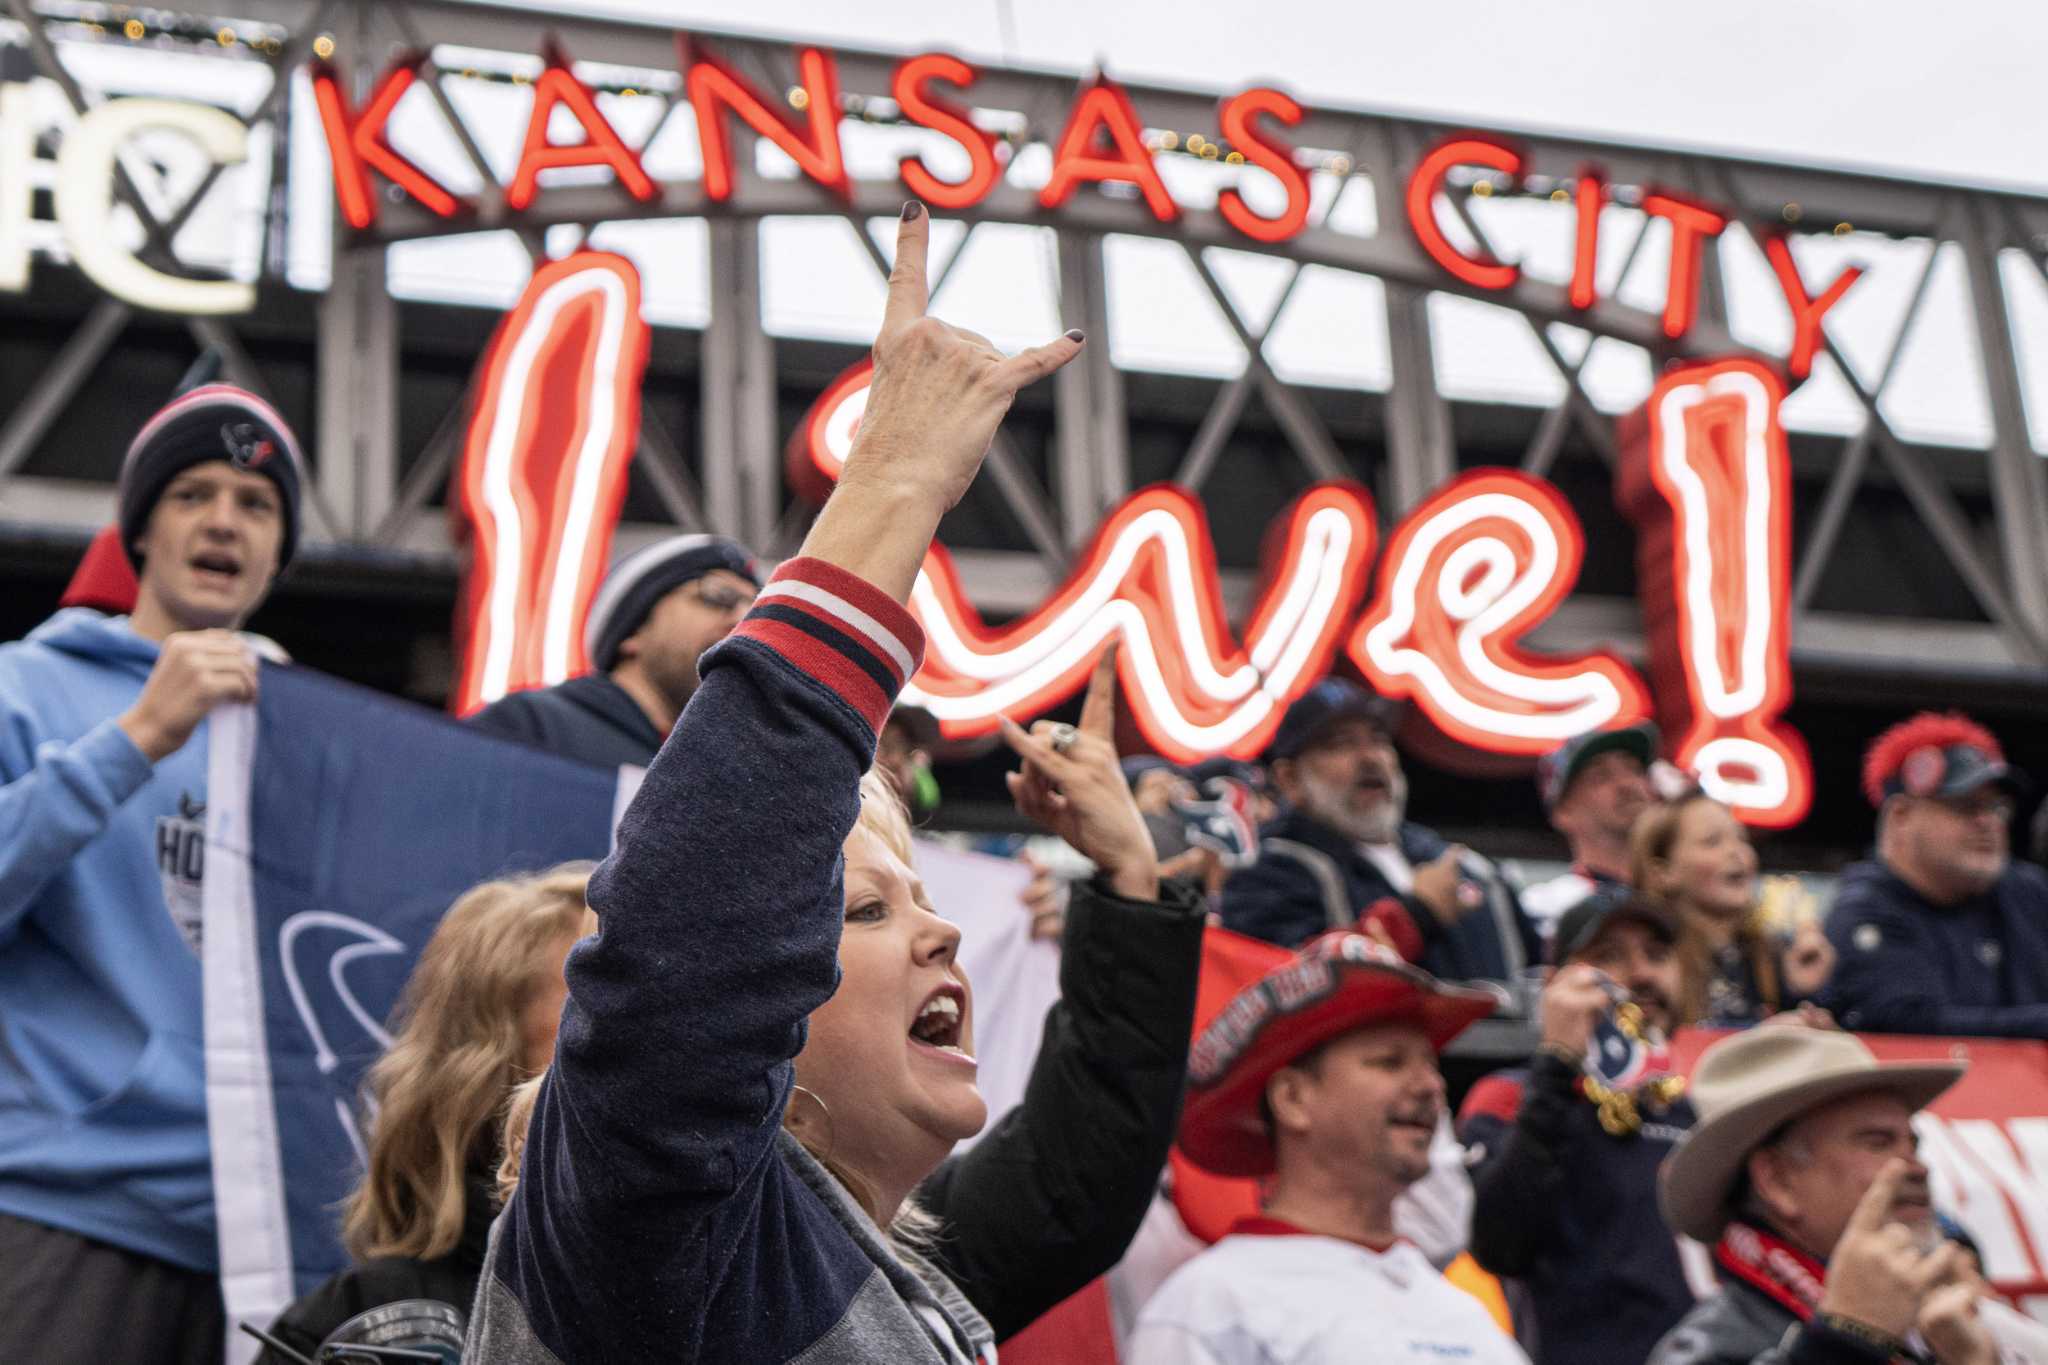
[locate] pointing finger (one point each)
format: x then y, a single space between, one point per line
908 292
1098 711
1874 1210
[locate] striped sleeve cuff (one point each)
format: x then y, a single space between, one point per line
840 631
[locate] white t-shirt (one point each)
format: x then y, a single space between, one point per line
1256 1298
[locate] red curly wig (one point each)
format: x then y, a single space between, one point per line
1928 729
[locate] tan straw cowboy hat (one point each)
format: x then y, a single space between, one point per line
1748 1086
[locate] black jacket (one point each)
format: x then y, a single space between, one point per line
1309 879
450 1279
1904 965
590 718
1052 1195
1565 1207
1742 1326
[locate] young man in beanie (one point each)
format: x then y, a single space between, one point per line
107 1242
656 613
1322 1076
1801 1174
1566 1150
1593 786
1943 932
1343 853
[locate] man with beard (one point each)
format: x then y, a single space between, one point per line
1801 1173
1322 1075
1565 1151
1594 786
656 613
1342 855
1942 933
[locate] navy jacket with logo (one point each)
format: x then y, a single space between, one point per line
1905 965
1310 879
1570 1210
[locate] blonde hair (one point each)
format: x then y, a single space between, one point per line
913 1227
1650 841
518 1118
437 1094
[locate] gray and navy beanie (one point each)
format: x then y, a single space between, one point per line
644 577
212 422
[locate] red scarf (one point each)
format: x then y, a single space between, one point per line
1774 1268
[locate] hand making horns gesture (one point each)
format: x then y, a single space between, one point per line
1070 784
939 391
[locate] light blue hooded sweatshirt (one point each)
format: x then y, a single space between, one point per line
102 1072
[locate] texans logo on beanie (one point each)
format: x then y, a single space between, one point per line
212 422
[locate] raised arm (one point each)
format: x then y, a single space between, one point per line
720 907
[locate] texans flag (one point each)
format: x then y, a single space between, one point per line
340 826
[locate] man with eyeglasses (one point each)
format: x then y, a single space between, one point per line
1943 932
657 612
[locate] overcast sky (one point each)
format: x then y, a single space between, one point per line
1952 90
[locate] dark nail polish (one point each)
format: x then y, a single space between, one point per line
911 210
1076 335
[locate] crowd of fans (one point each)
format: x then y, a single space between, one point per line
702 1101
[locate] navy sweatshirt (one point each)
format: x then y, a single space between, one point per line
662 1215
1570 1210
591 719
1905 965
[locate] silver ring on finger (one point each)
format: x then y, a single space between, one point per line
1063 736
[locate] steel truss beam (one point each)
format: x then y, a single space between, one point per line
360 501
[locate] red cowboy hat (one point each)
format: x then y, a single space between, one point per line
1336 983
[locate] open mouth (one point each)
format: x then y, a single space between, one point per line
939 1020
1375 784
215 566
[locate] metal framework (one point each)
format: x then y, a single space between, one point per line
361 501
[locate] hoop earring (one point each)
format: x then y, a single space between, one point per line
831 1134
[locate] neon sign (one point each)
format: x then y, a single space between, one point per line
1481 561
82 182
1101 141
1148 578
544 473
1707 480
1465 577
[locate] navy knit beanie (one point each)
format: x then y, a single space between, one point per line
213 422
644 577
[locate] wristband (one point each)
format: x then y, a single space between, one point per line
1861 1331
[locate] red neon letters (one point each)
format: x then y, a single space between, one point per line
1104 111
942 116
1589 194
356 145
1422 191
1690 225
544 472
716 90
602 146
1806 312
1270 155
1479 563
1707 479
